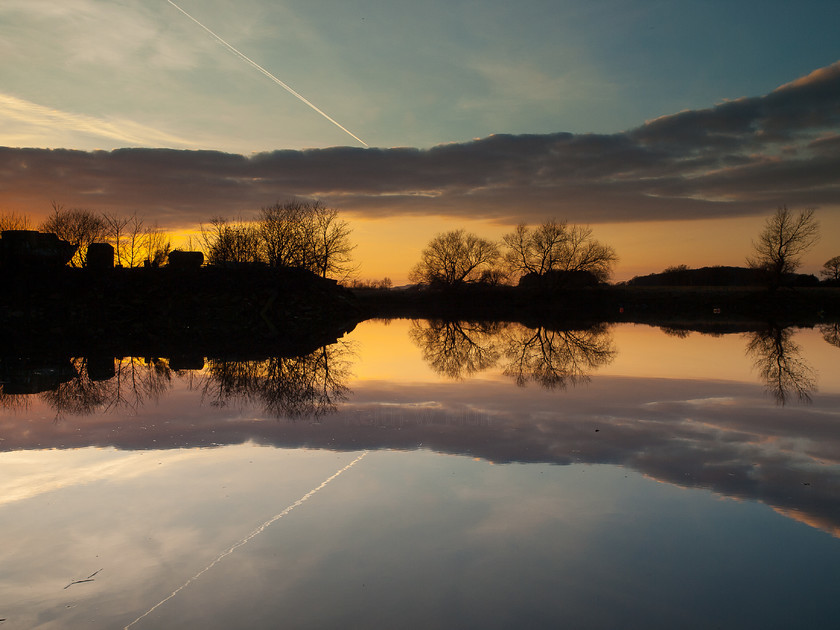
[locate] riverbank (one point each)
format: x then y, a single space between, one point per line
258 312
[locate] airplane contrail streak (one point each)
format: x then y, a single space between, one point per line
253 63
245 540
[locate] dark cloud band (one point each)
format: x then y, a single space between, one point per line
738 158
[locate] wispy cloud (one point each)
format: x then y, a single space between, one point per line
25 119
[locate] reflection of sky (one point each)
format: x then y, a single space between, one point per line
403 540
518 528
643 351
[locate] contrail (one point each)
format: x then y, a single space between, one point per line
283 85
247 538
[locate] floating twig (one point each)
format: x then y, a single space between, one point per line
87 579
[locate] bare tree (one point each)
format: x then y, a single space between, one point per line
306 235
230 242
557 246
831 269
14 221
156 246
453 258
286 235
334 255
78 226
133 246
127 235
781 244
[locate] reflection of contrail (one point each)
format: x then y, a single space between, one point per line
247 59
247 538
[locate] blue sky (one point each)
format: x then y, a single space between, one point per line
94 74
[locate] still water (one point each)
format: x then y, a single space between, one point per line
428 475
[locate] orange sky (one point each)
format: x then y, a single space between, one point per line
390 247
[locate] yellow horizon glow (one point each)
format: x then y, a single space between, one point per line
391 246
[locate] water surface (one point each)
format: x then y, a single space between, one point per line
420 474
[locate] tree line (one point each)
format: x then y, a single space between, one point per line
552 250
312 236
135 243
306 235
556 253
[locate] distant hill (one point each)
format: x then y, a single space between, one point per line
717 277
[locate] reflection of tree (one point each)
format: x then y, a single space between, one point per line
556 358
293 387
831 333
778 360
679 333
14 402
134 382
457 349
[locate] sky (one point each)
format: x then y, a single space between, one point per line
672 128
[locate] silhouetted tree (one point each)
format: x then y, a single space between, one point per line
230 242
156 246
14 221
128 237
78 226
556 246
781 244
306 235
333 244
453 258
831 269
779 363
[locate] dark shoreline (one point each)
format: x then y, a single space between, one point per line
228 312
249 312
733 308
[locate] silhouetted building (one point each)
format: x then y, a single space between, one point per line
100 256
29 248
179 259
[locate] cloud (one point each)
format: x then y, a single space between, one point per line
126 37
737 158
23 118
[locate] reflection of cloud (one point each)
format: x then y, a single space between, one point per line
124 466
716 435
693 164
